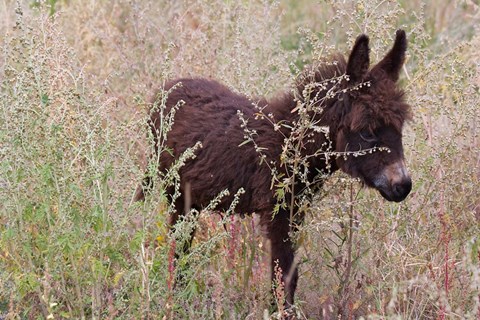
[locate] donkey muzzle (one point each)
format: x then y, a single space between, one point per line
394 182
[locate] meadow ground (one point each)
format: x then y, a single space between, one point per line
76 78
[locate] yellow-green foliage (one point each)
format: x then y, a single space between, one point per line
75 78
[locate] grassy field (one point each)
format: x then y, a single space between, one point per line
75 81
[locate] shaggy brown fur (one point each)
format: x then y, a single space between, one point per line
358 117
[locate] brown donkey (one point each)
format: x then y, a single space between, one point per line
364 110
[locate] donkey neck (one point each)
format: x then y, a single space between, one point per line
316 140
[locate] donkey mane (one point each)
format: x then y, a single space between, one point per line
312 83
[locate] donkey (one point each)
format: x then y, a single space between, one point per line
368 111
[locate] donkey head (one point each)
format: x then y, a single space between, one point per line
373 112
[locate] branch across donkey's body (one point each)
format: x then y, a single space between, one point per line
359 117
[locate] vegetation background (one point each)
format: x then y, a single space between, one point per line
76 77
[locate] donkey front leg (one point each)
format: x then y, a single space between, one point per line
182 212
283 255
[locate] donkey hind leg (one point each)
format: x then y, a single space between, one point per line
283 255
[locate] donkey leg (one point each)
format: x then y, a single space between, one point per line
182 239
182 211
283 254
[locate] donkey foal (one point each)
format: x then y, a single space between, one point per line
359 117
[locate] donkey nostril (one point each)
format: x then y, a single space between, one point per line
403 189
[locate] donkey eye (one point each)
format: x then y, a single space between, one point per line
368 136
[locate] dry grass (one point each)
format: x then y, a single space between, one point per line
74 87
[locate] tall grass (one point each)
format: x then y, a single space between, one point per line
76 81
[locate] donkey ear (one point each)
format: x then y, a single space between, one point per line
393 61
359 60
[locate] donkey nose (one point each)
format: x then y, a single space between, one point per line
402 189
